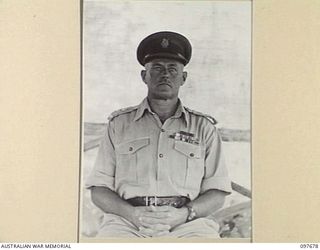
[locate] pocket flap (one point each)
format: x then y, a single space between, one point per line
189 150
131 147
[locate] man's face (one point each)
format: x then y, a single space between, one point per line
163 77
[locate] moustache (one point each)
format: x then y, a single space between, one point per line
164 81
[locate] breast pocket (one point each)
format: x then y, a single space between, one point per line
193 159
128 167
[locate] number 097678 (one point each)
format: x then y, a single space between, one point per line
312 245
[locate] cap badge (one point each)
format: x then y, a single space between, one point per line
165 43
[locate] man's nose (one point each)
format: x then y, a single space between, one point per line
165 72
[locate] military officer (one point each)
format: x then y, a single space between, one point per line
160 169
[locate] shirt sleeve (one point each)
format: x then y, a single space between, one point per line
103 172
216 173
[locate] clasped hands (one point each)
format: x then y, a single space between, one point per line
158 221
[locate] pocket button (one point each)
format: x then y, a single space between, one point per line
130 148
191 154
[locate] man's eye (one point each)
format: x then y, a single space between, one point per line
172 70
156 68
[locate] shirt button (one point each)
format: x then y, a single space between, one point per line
160 155
130 148
191 154
162 130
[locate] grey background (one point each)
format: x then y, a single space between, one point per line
218 80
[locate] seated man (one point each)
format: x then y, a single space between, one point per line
159 169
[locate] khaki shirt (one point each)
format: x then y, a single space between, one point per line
140 156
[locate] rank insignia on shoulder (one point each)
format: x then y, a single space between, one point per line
185 137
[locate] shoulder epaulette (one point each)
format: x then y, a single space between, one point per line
121 111
208 117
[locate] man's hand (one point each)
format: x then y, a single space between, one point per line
155 218
153 230
158 221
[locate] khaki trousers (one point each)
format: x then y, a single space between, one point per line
116 226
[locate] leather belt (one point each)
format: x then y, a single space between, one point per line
174 201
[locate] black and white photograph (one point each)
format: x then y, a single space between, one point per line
166 144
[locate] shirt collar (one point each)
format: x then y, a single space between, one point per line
144 105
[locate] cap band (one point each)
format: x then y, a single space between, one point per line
178 57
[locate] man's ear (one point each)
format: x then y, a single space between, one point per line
184 76
143 75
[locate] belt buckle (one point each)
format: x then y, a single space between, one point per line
153 200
